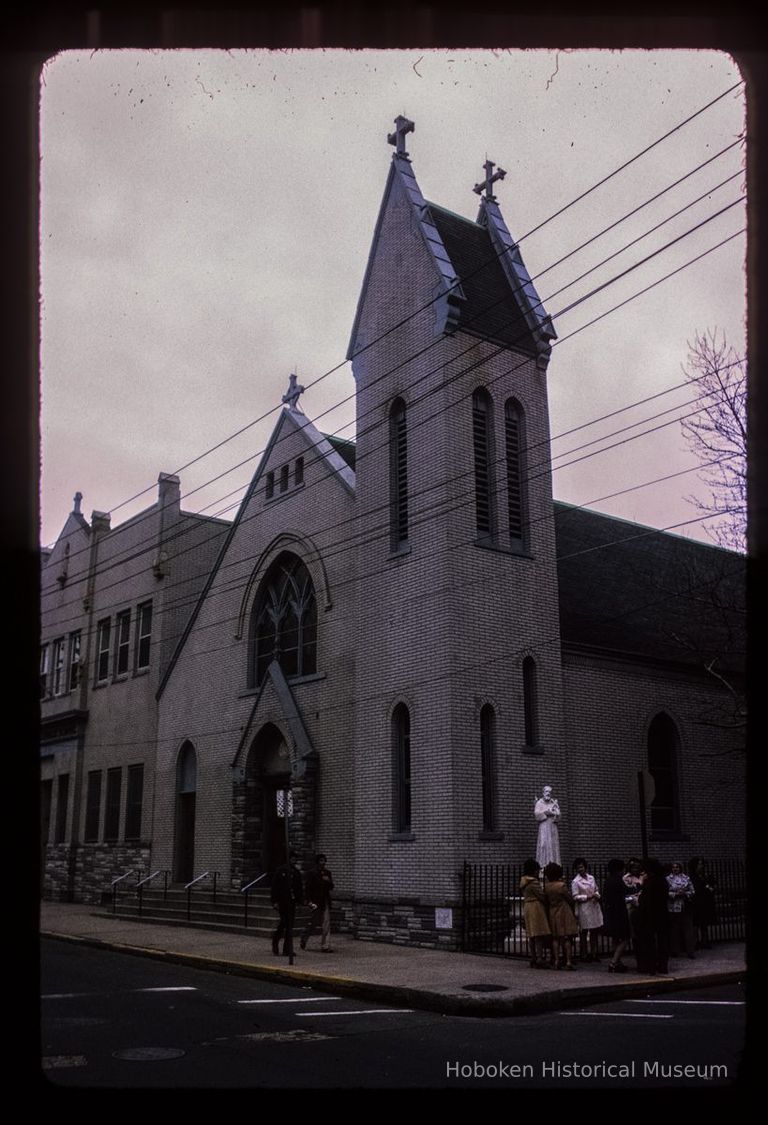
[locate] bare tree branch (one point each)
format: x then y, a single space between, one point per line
717 433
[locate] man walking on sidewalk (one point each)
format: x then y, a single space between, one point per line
319 887
287 890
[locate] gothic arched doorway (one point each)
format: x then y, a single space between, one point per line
186 797
259 796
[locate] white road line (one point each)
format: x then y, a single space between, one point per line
729 1003
65 995
373 1012
300 1000
177 988
622 1015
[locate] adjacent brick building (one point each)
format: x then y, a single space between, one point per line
407 635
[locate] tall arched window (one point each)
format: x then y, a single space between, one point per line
284 621
530 702
482 440
663 749
398 474
488 766
514 431
186 799
401 769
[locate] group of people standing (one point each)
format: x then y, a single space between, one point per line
660 912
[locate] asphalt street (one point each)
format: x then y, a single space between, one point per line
113 1020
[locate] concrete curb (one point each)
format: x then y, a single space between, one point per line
424 999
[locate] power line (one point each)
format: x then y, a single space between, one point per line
417 312
151 541
435 414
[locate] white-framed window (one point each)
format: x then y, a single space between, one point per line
102 650
122 642
59 684
44 655
143 634
74 659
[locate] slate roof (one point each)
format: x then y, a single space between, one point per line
635 590
490 309
344 447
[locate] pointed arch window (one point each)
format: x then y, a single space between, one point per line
488 766
401 769
514 433
663 753
482 441
398 474
284 621
530 703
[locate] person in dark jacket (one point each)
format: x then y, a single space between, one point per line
287 890
319 887
652 920
615 916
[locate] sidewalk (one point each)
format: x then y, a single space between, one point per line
457 983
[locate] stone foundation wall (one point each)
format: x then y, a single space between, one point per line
84 873
398 922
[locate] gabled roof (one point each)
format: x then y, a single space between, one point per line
401 175
630 589
483 285
326 448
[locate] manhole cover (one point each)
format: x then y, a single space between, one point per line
485 988
148 1054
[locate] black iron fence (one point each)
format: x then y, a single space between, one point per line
492 907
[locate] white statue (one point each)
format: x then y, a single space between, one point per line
547 812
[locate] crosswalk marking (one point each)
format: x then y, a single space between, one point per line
298 1000
360 1012
728 1003
621 1015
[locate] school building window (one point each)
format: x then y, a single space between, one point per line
122 642
143 634
133 802
102 650
92 807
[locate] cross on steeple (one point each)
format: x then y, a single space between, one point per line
402 126
490 179
78 499
291 396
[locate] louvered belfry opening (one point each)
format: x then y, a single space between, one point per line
481 435
398 441
514 440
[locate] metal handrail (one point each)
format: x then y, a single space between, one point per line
188 888
148 879
253 883
244 891
114 883
120 878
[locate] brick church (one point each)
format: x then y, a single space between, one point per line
400 639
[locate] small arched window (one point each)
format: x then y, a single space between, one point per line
398 474
663 750
284 621
530 702
488 766
401 769
482 441
514 431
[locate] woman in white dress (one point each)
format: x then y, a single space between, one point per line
588 911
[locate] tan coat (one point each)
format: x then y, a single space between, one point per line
562 920
534 907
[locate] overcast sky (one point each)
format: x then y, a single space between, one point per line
207 217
